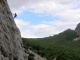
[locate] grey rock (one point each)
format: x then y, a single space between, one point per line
11 46
36 56
78 29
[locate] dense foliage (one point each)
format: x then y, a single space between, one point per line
60 46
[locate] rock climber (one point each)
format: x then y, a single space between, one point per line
15 15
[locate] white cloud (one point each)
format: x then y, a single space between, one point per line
25 28
35 31
53 7
43 6
67 10
20 23
28 34
45 29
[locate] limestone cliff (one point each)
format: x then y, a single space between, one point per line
11 47
78 29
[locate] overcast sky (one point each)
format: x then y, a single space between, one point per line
42 18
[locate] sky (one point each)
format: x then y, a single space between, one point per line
43 18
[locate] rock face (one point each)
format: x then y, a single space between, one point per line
78 29
36 56
11 47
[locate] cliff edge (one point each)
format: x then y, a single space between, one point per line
11 47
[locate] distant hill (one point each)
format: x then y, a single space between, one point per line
61 46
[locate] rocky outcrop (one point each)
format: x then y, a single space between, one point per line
11 47
78 29
36 56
